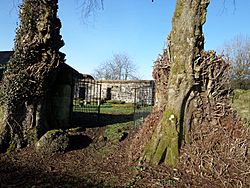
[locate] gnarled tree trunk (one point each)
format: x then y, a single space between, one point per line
31 74
175 82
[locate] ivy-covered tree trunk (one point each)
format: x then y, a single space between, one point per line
31 74
175 81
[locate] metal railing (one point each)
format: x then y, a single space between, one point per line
143 102
87 96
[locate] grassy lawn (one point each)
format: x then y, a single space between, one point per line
107 108
112 107
241 102
127 108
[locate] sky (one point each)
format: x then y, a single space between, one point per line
138 28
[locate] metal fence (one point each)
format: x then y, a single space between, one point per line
87 103
87 96
143 102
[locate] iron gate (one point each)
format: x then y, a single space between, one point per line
87 96
143 102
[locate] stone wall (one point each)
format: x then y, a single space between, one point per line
62 96
123 90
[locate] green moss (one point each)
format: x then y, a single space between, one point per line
163 146
75 129
179 9
204 15
32 136
203 18
172 154
171 137
116 131
178 68
170 116
149 150
161 150
55 131
1 114
11 148
59 132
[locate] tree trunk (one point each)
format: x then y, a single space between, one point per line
31 75
174 74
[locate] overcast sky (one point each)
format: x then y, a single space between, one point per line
135 27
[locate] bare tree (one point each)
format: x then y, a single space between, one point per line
118 67
237 51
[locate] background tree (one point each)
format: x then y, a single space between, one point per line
237 51
118 67
30 76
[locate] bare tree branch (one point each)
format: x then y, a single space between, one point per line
118 67
89 7
224 8
15 4
237 51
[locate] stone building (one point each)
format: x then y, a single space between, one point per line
62 91
124 90
84 86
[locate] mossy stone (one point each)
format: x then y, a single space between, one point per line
52 142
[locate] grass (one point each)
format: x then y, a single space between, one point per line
127 108
110 114
116 132
113 134
107 108
241 102
112 107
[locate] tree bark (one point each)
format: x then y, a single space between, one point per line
174 73
31 75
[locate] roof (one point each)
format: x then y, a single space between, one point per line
5 56
68 67
126 81
87 76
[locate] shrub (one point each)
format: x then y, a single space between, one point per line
115 102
